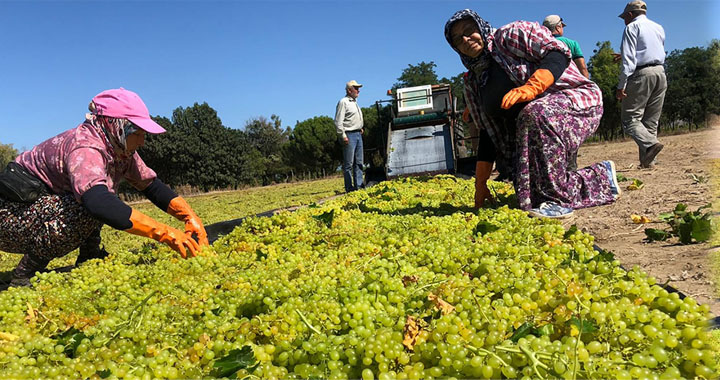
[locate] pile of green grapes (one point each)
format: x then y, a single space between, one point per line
211 207
400 281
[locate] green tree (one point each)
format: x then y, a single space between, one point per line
197 150
7 154
269 138
604 71
314 146
418 75
693 84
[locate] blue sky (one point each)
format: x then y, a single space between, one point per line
256 58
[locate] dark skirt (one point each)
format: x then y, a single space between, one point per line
51 227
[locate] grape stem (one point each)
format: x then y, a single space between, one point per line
430 284
47 320
534 360
484 352
125 323
532 356
577 344
565 284
480 307
307 323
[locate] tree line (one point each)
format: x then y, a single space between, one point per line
199 151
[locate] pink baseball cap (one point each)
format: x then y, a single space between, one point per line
125 104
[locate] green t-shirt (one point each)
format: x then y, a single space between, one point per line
573 46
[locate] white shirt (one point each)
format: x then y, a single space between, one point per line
643 43
348 116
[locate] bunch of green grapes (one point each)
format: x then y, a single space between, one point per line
400 282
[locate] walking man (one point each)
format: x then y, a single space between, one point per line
642 84
349 126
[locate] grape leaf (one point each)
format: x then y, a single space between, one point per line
485 227
524 330
411 332
235 360
527 329
573 229
259 254
71 339
636 184
547 329
680 207
104 374
584 326
702 230
603 255
654 234
326 217
684 231
666 216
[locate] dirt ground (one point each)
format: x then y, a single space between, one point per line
684 267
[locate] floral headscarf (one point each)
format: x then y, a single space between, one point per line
480 63
114 130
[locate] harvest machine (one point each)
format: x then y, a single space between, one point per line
423 137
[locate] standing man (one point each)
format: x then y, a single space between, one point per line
349 126
555 24
642 84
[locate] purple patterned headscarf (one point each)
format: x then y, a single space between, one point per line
480 63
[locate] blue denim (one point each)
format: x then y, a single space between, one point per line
353 161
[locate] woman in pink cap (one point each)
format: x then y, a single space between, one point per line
57 196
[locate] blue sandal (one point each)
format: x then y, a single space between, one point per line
612 174
551 210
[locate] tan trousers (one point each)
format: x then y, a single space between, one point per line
641 109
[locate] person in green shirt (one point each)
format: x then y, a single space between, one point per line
556 25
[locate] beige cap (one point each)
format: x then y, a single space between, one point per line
352 83
551 21
635 5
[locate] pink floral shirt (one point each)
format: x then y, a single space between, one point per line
80 158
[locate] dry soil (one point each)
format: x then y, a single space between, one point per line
680 176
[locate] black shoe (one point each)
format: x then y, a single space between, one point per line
18 282
90 249
89 254
26 268
650 155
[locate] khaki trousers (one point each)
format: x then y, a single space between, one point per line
641 109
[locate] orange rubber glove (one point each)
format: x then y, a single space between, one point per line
482 174
181 210
146 226
536 85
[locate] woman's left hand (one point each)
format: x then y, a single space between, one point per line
180 209
517 95
194 226
536 85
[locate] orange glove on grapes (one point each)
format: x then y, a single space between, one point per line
146 226
482 174
181 210
536 85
